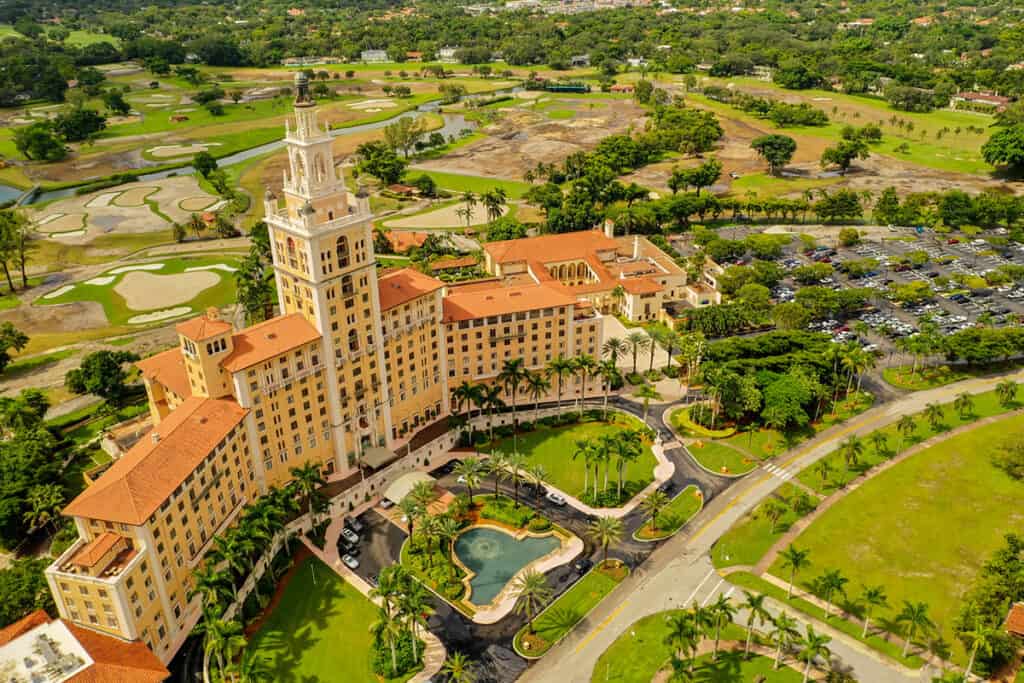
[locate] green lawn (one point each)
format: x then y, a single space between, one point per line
553 449
319 631
564 613
560 114
904 377
456 182
640 652
764 185
20 368
718 457
116 309
677 513
684 425
896 529
750 538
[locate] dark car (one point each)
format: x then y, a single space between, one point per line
667 487
582 565
347 548
932 273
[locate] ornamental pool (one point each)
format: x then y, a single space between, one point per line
495 556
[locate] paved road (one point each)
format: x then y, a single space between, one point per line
680 570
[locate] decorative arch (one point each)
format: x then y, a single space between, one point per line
341 247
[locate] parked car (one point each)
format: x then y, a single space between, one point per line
386 504
350 536
667 486
350 562
354 524
582 565
555 498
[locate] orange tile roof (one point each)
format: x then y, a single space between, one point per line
167 368
116 661
551 248
137 484
452 263
1014 623
203 327
269 339
640 286
404 240
465 305
93 551
23 626
401 286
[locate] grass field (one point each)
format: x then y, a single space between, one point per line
455 182
319 631
569 609
677 513
553 448
722 459
895 529
750 538
20 368
764 185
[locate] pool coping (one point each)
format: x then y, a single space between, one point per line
504 602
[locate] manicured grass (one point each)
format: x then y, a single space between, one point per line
677 513
684 425
560 114
23 367
904 377
719 458
116 309
641 651
319 631
103 249
80 38
553 449
455 182
569 609
764 185
750 538
899 528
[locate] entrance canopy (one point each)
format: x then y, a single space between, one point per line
376 457
401 487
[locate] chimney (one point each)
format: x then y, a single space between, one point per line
636 246
609 228
212 313
155 436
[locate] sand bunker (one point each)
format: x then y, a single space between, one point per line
140 266
101 281
197 203
69 233
47 219
135 196
60 291
144 291
167 151
156 316
62 223
216 266
378 104
445 217
102 200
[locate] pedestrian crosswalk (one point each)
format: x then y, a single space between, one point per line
777 472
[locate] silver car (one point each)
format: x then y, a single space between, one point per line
349 535
350 562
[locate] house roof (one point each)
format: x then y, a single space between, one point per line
404 240
466 305
138 483
453 262
203 327
23 626
269 339
1014 623
640 286
402 286
551 248
93 551
167 368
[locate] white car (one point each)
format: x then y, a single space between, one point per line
555 498
350 562
350 536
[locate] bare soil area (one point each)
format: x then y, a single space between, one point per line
73 317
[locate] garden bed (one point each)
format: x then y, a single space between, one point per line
677 513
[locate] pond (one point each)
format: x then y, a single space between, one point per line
495 556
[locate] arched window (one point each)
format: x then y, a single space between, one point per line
342 249
291 247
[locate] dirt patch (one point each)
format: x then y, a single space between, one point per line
196 203
73 317
135 196
61 223
170 151
144 291
444 217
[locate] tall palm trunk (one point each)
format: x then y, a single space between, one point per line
778 655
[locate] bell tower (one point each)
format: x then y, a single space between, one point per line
324 266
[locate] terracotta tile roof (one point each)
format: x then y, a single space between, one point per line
402 286
23 626
137 484
640 286
453 263
551 248
465 305
262 342
404 240
93 551
167 368
1014 623
116 661
203 327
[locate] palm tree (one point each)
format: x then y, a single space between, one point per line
532 593
906 426
412 510
470 201
638 342
614 347
610 375
963 404
45 502
213 585
586 366
852 448
605 531
466 395
812 646
653 505
448 530
872 597
559 368
683 636
254 670
647 393
722 612
982 639
879 442
784 634
796 560
915 616
584 450
424 493
516 464
414 605
824 470
627 450
221 639
391 583
1006 391
493 201
756 613
459 669
471 471
830 583
497 466
538 386
657 337
933 413
389 629
490 398
512 376
308 480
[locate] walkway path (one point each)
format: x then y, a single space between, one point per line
680 570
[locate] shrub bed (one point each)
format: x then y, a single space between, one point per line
502 509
